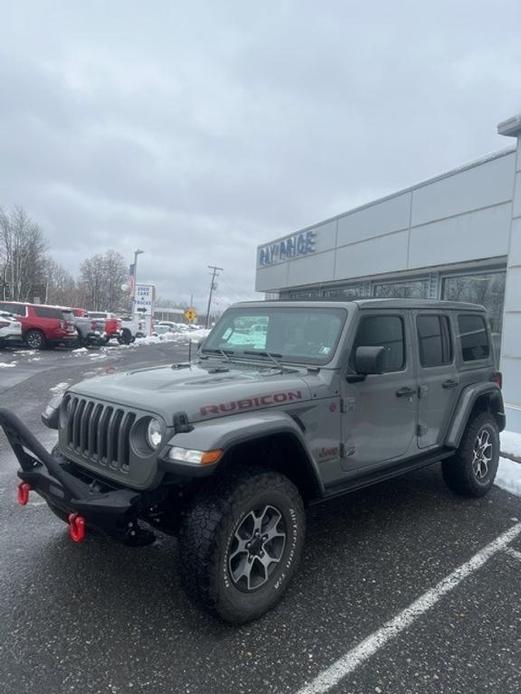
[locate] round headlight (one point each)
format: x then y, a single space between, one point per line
154 433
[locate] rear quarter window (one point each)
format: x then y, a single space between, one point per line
48 312
473 336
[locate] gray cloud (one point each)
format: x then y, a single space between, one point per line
198 130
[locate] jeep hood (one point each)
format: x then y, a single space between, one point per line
203 391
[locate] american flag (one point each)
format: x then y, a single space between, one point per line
131 278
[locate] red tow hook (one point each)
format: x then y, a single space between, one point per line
77 528
23 493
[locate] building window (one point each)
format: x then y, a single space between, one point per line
486 289
344 293
406 289
473 336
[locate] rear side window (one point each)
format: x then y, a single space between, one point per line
16 309
434 340
383 331
48 312
474 337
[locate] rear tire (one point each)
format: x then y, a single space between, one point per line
125 338
472 470
240 543
35 339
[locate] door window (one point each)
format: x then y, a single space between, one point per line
473 336
387 332
434 340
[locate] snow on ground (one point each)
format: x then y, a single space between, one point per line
59 387
6 365
509 471
509 476
511 443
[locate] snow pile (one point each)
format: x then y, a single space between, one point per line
511 443
180 337
509 476
59 387
509 471
5 365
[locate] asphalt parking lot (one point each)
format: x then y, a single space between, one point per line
101 617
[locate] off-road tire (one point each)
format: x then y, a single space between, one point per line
126 337
35 339
458 471
208 529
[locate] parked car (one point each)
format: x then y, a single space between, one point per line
91 331
112 324
165 326
132 327
43 325
10 329
226 452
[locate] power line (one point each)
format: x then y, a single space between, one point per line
215 273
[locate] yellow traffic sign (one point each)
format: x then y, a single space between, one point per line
190 315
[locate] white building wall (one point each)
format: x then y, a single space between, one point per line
461 216
511 342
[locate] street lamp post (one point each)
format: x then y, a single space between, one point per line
137 252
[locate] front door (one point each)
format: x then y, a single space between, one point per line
380 412
438 381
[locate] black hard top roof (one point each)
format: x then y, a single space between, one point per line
372 303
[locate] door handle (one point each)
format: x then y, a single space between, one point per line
451 383
405 392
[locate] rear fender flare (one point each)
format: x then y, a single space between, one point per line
465 405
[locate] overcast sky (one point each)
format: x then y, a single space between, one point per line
197 130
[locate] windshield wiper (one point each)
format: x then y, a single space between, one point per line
224 353
271 355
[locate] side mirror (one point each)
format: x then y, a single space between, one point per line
368 360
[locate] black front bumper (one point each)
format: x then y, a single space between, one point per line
104 508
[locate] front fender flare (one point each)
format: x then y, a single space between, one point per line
228 432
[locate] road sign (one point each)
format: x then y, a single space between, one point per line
190 315
144 299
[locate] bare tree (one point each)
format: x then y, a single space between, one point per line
101 279
22 255
60 285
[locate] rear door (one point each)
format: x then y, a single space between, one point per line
379 423
438 380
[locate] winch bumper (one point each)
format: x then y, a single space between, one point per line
108 510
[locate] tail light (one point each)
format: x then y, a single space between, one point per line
498 379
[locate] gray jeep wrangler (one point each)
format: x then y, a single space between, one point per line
287 404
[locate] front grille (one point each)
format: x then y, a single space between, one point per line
98 431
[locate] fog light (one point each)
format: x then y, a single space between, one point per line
188 455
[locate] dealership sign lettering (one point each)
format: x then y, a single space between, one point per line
293 246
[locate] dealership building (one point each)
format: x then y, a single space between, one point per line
456 236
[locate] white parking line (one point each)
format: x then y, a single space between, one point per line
513 553
369 646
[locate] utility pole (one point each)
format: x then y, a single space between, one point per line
215 273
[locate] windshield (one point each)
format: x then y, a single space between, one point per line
300 334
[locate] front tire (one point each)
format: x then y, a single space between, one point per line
472 470
35 339
240 543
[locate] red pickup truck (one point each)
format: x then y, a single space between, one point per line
112 323
42 325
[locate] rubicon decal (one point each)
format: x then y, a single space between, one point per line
249 403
